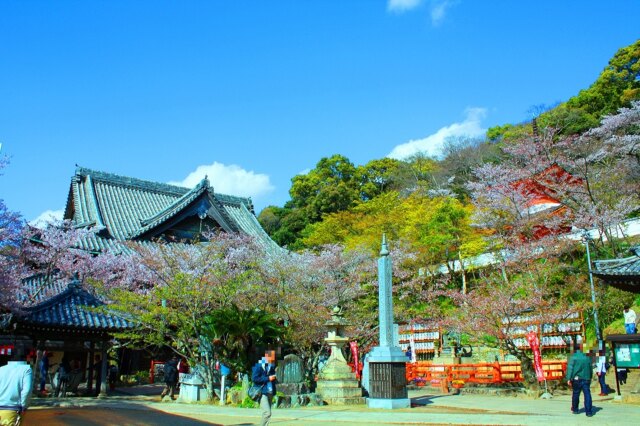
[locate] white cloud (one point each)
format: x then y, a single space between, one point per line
47 217
402 5
432 145
230 180
439 11
437 8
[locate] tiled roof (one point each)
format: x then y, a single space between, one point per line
621 273
125 208
37 289
70 310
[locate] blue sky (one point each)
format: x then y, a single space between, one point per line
254 92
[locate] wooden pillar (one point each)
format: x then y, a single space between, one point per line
35 388
103 370
90 362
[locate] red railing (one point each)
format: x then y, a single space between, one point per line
156 370
425 373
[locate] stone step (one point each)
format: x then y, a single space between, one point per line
338 392
355 400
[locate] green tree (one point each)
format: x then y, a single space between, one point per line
330 187
377 177
616 86
238 334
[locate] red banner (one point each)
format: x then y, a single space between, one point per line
356 359
534 342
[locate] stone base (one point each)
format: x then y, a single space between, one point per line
355 400
336 370
388 403
292 388
340 392
387 354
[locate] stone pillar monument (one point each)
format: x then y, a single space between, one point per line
387 363
337 384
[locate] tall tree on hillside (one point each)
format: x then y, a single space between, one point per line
330 187
461 157
378 176
438 229
616 87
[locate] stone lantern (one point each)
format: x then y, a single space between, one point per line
337 384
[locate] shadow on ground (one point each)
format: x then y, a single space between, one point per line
102 416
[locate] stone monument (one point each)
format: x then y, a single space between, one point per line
337 384
192 388
387 363
290 373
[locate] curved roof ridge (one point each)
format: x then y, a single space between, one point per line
131 181
73 289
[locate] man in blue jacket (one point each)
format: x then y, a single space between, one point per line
264 375
15 388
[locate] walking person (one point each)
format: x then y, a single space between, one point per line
629 320
170 378
579 375
64 371
43 370
183 368
97 373
601 370
15 388
264 374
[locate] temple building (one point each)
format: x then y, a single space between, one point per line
123 208
61 319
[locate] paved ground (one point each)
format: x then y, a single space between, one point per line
145 409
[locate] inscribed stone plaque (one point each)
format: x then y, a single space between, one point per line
290 370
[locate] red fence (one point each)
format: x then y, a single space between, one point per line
425 373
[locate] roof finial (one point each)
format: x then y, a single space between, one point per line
384 250
75 281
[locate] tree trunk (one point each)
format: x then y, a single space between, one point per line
464 278
528 371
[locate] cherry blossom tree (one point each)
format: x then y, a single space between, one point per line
11 225
497 312
183 287
547 184
592 178
304 287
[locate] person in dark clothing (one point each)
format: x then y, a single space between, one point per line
113 376
264 374
43 368
64 369
97 373
170 378
579 375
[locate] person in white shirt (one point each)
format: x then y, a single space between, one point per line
601 371
15 388
629 320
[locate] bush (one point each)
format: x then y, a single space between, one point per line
248 403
